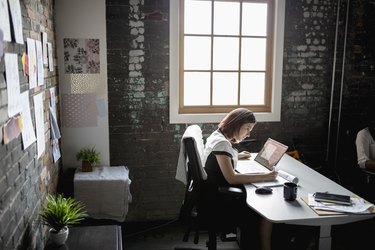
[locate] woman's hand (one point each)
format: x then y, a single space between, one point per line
270 176
244 155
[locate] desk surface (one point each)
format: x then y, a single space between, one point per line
274 208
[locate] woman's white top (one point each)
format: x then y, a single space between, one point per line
365 147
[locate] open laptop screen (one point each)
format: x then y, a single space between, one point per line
271 153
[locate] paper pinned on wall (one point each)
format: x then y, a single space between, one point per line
79 110
39 123
28 133
13 83
15 12
31 53
1 43
45 49
4 20
81 56
102 108
56 150
39 62
12 129
50 57
55 131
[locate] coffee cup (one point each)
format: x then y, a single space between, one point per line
290 191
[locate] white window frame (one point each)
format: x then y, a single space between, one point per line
175 117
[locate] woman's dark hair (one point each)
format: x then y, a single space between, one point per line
232 123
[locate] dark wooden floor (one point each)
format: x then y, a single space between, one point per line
166 235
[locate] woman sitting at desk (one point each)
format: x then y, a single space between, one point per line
220 159
365 144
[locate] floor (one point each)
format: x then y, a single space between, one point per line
168 235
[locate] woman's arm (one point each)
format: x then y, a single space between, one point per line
233 177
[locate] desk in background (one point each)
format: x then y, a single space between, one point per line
275 209
105 192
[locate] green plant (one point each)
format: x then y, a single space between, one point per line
59 212
88 154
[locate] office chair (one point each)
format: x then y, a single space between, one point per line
195 212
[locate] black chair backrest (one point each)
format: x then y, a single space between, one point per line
194 181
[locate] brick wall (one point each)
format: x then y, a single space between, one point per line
24 179
140 134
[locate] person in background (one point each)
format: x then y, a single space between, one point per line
219 161
365 143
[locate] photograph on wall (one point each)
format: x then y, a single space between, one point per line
4 20
81 56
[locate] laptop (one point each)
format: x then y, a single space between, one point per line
265 161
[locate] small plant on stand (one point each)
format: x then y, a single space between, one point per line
59 213
89 157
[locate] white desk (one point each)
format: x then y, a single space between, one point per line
105 192
274 208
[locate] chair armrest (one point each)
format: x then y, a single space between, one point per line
238 192
369 172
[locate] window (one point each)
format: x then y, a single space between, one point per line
220 60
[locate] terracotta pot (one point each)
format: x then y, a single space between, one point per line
86 166
60 237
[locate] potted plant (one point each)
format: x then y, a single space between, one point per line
89 157
59 213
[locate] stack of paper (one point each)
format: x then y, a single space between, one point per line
359 206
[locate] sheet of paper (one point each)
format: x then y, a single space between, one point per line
1 44
81 56
39 123
15 12
55 131
45 49
56 150
12 129
13 83
50 56
39 62
4 20
28 133
358 205
31 53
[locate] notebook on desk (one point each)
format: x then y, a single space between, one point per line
265 161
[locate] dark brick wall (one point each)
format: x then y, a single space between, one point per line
24 179
140 134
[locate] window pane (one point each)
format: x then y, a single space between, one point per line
197 54
225 55
225 89
253 54
197 17
226 18
196 88
254 19
252 89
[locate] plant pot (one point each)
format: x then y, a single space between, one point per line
86 166
60 237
